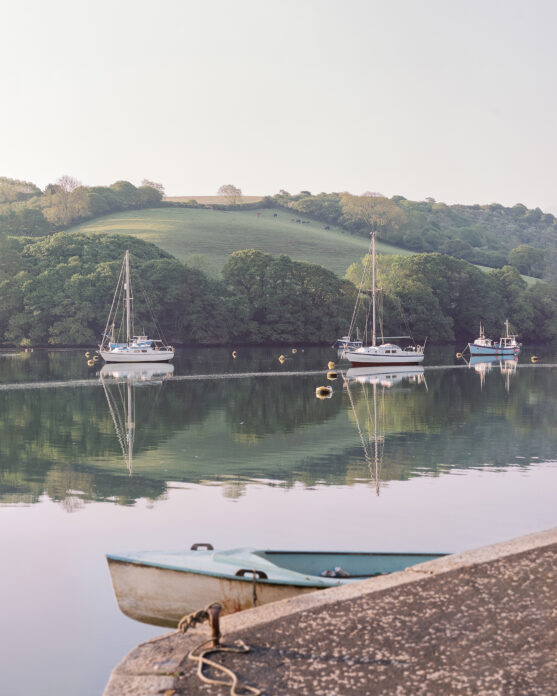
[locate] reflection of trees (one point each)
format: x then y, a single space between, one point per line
62 442
275 405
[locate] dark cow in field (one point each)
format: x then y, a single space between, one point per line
275 214
326 227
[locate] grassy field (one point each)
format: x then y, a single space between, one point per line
188 233
205 238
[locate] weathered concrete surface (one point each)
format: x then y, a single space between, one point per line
483 622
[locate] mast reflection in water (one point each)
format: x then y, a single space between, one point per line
119 383
385 378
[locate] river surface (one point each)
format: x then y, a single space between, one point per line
240 452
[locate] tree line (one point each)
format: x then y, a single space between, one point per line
490 235
27 211
57 290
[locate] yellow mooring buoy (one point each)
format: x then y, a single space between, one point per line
534 358
95 358
294 351
90 363
332 375
324 392
234 354
281 359
459 355
331 365
87 354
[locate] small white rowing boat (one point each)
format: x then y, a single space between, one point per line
159 587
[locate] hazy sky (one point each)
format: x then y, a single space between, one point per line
444 98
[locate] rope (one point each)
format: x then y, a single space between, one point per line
198 617
158 328
116 294
359 295
201 659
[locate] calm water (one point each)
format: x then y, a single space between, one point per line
442 459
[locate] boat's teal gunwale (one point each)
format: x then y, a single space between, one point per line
292 577
311 581
358 553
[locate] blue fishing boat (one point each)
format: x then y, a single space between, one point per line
507 344
160 587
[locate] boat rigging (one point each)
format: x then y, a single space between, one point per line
385 353
134 348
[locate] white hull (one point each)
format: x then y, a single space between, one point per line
367 358
162 596
136 356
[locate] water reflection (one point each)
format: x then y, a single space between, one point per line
80 443
119 382
386 376
371 428
483 364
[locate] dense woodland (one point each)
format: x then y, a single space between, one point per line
57 290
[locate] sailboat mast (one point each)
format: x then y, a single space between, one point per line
373 335
128 298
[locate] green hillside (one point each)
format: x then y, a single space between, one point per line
186 233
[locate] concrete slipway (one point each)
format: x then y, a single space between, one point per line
482 622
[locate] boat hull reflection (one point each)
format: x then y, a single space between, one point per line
386 376
137 372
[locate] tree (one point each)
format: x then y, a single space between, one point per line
232 193
68 183
373 212
68 201
149 197
153 184
127 193
457 248
528 260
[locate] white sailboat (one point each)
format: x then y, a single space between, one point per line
388 354
135 348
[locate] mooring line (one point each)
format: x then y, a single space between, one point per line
60 384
